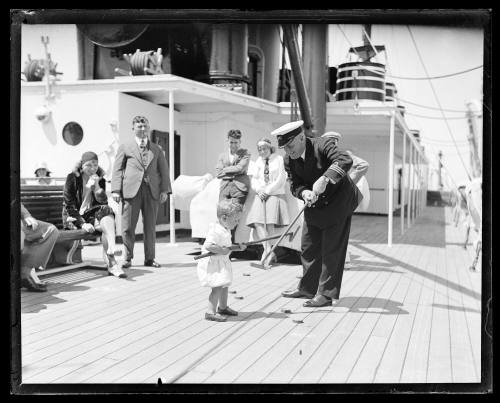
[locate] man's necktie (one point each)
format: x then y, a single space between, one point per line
144 152
266 171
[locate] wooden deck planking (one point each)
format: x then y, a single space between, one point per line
289 335
417 262
141 330
125 344
470 318
367 362
392 361
414 369
340 367
186 334
265 351
305 338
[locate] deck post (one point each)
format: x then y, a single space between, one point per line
419 183
403 185
410 184
390 211
415 184
171 161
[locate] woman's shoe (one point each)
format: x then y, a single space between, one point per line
227 311
116 271
31 285
318 301
216 317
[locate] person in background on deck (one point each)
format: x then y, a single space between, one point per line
358 170
43 174
268 209
318 175
231 168
215 271
37 242
85 206
141 179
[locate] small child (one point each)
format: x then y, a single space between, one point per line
215 271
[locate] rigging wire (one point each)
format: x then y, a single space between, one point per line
405 101
437 117
436 77
432 141
348 41
437 100
371 44
425 78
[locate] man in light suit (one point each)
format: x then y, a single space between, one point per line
141 180
232 168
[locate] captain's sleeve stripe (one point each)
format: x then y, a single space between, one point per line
337 169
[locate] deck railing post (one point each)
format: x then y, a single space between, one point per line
414 184
391 182
171 161
410 184
403 185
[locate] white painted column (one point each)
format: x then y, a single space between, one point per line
417 192
415 185
391 182
419 184
403 184
410 184
171 161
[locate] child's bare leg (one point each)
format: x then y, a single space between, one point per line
213 299
223 297
223 308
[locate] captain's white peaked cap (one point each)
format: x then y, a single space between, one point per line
287 132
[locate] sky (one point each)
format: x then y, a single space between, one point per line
443 50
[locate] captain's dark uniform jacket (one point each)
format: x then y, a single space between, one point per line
340 199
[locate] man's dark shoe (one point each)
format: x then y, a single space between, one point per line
152 263
296 294
126 264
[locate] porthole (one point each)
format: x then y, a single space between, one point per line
72 133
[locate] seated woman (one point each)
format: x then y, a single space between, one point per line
269 208
85 206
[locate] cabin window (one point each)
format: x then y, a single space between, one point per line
255 71
72 133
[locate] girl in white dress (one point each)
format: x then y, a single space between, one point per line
215 271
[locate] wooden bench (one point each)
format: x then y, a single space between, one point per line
44 202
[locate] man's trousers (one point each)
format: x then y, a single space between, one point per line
323 256
143 201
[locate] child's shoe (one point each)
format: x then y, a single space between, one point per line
227 311
215 317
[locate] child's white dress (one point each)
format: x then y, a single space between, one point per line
215 270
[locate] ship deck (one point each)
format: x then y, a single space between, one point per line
410 313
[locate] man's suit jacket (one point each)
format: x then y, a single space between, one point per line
235 171
128 170
339 200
